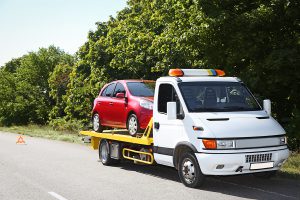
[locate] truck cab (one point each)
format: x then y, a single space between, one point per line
207 124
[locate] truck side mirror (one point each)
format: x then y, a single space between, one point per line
171 110
267 106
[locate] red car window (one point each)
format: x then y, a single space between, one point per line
119 89
107 92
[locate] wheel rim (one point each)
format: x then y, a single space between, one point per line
132 125
96 122
188 170
104 153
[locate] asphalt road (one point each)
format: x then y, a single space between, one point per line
44 169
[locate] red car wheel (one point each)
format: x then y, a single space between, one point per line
133 125
96 123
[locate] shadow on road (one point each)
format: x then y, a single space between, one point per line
244 186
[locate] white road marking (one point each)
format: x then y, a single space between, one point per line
57 196
258 189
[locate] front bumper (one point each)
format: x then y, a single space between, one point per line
231 162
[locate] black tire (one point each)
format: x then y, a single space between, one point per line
265 175
133 125
189 171
97 123
104 153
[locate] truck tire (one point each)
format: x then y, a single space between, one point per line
133 126
96 123
265 175
189 171
104 153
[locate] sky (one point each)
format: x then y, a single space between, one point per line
27 25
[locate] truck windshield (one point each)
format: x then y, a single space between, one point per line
141 89
217 97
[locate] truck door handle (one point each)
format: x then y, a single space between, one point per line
111 103
98 102
156 125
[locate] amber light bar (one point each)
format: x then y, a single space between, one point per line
196 72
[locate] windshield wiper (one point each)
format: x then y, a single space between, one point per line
206 110
224 109
236 108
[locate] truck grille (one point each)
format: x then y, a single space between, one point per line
258 158
257 142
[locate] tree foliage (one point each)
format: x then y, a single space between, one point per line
24 89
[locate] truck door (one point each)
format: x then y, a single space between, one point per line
166 133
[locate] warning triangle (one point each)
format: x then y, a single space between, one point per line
20 140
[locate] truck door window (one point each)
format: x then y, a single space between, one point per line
167 94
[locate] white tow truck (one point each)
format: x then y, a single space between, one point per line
203 124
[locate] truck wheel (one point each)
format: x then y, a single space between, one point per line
265 175
104 154
96 123
189 171
133 125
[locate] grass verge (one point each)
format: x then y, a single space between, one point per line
290 169
44 132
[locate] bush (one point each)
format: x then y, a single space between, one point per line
61 124
293 131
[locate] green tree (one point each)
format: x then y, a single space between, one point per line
25 89
58 82
259 42
88 75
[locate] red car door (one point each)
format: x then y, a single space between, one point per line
119 107
105 104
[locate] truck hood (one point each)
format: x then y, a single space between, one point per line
239 124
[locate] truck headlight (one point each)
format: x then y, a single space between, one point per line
146 104
283 140
225 144
218 144
209 144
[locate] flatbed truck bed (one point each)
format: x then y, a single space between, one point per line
125 143
118 135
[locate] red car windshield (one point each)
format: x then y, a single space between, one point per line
141 89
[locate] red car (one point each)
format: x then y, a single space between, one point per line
124 104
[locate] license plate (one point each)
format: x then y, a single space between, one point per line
265 165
